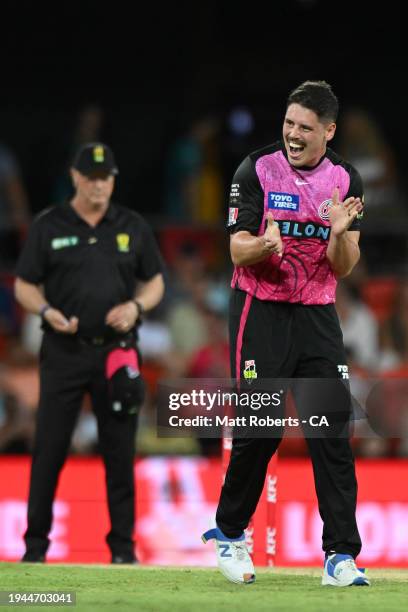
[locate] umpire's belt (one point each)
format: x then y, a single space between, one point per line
104 340
95 340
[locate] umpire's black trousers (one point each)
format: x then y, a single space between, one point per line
69 368
292 341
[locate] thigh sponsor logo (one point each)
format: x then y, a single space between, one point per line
283 201
343 371
250 370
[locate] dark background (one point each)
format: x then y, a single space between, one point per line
155 67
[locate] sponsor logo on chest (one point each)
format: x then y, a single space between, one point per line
64 242
283 201
324 209
306 229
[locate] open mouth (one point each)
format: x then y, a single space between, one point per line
296 148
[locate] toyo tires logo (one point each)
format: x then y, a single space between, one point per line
324 209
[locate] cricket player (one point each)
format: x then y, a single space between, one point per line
294 219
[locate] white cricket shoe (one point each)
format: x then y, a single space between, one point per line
233 557
341 570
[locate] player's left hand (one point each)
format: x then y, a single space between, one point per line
342 214
122 317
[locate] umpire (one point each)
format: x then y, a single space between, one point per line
89 268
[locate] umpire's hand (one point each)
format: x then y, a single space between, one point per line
60 323
123 316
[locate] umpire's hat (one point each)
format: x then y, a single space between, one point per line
95 156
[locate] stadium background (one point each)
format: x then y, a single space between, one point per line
182 93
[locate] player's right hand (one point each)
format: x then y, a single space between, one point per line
60 323
272 238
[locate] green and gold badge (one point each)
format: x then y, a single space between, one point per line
122 241
99 154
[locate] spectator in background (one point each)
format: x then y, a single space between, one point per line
186 321
19 390
89 128
193 184
364 145
211 361
394 332
184 298
193 294
14 208
359 327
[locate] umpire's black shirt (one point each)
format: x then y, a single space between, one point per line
85 270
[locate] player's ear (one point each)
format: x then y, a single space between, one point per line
330 131
74 175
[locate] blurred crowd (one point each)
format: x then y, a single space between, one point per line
186 337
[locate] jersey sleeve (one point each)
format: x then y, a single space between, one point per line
246 202
150 261
355 190
31 264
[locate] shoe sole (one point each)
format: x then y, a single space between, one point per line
251 581
328 581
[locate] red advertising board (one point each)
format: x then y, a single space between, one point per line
176 501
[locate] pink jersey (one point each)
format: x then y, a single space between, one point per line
299 199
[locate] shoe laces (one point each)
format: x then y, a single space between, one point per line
349 564
241 551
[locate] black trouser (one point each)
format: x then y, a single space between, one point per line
68 369
291 341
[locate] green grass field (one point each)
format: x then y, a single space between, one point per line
154 589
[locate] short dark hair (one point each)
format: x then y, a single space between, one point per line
318 97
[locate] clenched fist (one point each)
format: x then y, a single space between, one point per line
272 240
